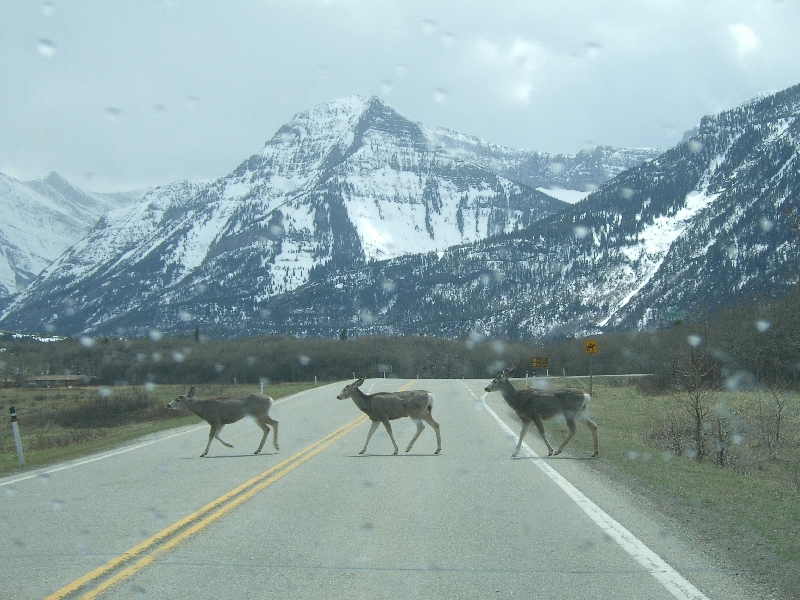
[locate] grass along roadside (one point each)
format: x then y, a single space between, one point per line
61 424
747 511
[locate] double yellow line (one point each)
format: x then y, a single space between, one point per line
144 554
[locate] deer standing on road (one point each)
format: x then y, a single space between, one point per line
218 413
383 407
535 406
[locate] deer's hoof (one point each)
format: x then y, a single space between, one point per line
437 452
594 455
556 453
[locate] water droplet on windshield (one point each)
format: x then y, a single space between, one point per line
439 95
580 231
47 9
185 316
86 341
763 326
627 193
46 48
112 114
593 49
155 334
428 27
695 146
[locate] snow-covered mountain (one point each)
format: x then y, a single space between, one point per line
710 221
340 186
346 183
41 219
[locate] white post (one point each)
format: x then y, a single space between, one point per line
17 441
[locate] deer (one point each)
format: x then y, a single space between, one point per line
383 407
535 406
220 412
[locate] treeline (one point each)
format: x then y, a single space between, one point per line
754 341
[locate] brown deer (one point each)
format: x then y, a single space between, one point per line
535 406
383 407
221 412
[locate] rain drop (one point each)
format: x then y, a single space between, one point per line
112 114
580 231
428 27
185 316
695 146
694 340
763 326
86 341
154 334
439 95
47 48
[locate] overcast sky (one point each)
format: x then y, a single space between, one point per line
119 95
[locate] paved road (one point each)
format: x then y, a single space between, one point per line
316 520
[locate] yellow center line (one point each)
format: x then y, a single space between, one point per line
197 520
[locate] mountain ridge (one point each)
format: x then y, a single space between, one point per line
338 187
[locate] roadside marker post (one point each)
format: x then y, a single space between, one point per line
17 440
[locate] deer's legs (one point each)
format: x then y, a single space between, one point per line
571 427
214 433
223 442
372 429
525 426
430 421
388 427
264 424
540 428
593 428
420 427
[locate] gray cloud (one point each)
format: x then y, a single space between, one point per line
144 93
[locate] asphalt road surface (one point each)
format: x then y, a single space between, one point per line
318 520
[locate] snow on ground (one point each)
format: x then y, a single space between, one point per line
568 196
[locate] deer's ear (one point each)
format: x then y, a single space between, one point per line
360 381
190 394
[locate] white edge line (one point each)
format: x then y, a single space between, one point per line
71 465
673 581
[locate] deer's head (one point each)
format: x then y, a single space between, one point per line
350 389
180 401
499 381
